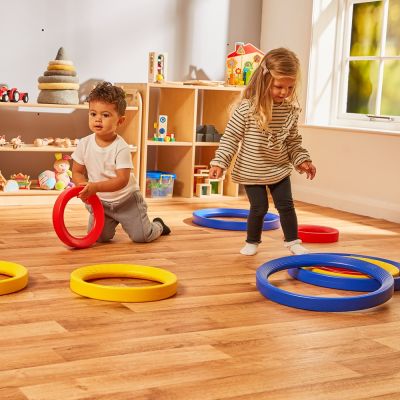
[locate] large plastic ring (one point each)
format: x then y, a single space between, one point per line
205 217
379 296
80 285
317 234
349 282
18 277
59 224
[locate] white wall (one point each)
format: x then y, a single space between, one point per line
357 171
111 39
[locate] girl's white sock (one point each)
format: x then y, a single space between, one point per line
249 249
296 248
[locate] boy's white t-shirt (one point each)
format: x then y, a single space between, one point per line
101 164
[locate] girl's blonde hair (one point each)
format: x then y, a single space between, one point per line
276 64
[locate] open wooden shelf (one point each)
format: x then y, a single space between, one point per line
34 120
186 107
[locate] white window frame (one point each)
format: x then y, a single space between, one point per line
340 116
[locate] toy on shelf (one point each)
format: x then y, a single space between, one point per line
62 172
3 140
8 186
157 67
207 133
16 142
241 64
13 95
205 186
59 83
47 180
58 179
66 142
22 180
161 134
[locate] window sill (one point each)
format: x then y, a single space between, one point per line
351 129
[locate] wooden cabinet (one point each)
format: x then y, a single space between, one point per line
31 121
186 107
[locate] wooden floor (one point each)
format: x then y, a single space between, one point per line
218 338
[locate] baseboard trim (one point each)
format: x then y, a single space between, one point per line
350 203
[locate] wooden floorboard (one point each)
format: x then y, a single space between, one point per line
217 338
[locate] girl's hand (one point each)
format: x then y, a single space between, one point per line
215 172
307 167
89 190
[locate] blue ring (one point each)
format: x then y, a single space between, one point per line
340 282
383 294
205 217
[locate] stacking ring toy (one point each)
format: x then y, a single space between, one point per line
379 296
18 277
317 234
59 224
205 217
80 285
350 282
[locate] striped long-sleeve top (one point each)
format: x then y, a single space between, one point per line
263 157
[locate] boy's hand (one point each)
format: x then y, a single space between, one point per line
89 190
307 167
215 172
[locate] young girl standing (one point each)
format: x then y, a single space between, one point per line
265 126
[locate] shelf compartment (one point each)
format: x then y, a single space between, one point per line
217 107
159 158
203 156
179 106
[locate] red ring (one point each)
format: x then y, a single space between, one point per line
340 270
59 224
318 234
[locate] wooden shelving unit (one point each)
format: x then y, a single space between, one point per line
32 120
186 107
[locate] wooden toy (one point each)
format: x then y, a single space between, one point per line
242 63
23 180
16 142
3 141
13 95
203 189
162 126
157 67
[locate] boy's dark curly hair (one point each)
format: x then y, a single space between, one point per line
108 93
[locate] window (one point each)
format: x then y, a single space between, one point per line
370 64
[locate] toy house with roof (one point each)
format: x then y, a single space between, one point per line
242 63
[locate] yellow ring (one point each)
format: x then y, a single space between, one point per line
18 277
80 276
394 271
58 86
60 66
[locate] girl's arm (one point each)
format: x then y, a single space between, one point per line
231 138
297 153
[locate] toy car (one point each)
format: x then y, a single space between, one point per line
4 94
12 95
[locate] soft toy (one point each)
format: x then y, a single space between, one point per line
47 180
62 172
